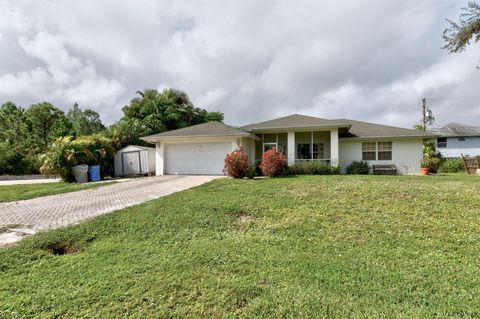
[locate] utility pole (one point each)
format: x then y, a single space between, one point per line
424 114
427 115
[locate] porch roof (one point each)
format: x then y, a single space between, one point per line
296 121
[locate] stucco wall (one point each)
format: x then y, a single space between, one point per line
407 154
249 148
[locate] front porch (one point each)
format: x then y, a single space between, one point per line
301 146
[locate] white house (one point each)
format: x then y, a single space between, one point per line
455 139
201 149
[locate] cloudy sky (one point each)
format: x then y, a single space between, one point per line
253 60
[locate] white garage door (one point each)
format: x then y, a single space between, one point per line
196 158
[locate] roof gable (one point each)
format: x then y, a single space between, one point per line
295 121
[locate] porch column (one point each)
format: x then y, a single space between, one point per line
159 154
291 147
334 147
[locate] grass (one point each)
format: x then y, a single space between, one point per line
9 193
299 247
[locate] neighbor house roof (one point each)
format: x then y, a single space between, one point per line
295 121
361 129
200 130
456 130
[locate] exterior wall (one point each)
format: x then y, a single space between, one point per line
249 148
470 147
407 154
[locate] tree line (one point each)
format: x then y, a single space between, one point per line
27 133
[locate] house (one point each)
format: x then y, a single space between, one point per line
201 149
455 139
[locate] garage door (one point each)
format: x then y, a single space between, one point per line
197 158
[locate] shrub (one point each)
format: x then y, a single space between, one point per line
69 151
358 168
433 163
454 165
312 168
236 163
272 163
251 172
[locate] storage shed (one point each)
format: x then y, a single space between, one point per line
134 160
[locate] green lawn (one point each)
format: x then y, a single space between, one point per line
299 247
10 193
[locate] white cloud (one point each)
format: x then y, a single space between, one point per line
62 77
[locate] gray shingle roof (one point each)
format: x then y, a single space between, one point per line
361 129
349 128
295 121
456 130
206 129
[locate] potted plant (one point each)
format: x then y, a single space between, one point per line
424 167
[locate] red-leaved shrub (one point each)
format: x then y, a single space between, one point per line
236 163
272 162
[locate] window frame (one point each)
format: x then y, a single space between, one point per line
369 151
384 151
318 152
375 150
298 149
269 143
442 144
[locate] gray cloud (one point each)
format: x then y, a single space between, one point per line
370 60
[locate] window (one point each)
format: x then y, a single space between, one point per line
303 151
369 151
441 142
269 146
282 148
461 139
318 151
384 151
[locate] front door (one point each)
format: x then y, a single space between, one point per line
131 163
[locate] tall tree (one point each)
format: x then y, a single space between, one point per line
13 127
168 110
460 33
84 122
46 123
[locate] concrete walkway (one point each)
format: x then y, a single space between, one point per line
24 218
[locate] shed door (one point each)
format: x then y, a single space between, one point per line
131 163
196 158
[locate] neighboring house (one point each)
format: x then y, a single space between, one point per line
201 149
455 139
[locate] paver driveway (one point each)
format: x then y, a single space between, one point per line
56 211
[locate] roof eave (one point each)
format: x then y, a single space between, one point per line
306 127
386 136
153 139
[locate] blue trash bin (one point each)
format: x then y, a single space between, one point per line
94 173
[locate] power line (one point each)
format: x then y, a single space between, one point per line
453 97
